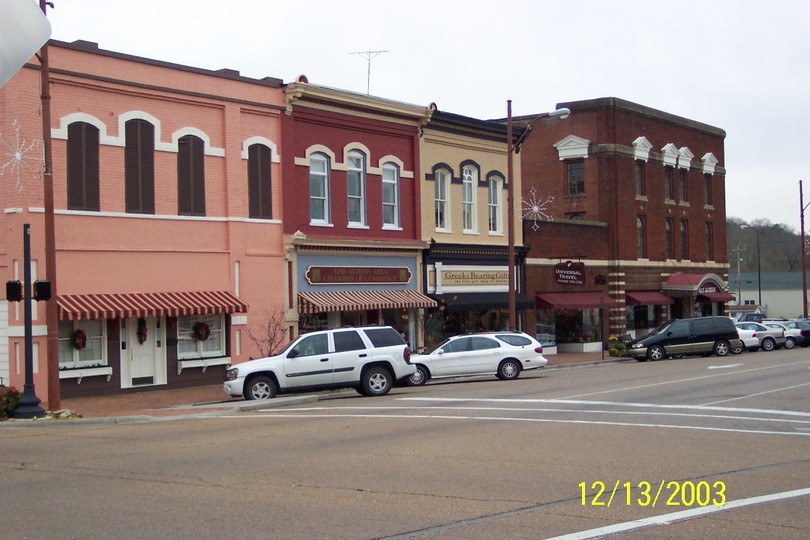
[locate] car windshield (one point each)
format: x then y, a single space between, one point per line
660 329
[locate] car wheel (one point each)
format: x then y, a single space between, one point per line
656 352
722 348
790 342
737 350
509 369
376 381
420 377
261 388
767 344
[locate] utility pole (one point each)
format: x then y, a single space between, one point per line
369 56
737 254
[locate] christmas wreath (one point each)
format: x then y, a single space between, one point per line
201 331
79 340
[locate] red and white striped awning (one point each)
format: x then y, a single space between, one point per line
318 302
125 305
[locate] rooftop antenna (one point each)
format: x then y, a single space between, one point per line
369 56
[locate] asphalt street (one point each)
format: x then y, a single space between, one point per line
712 447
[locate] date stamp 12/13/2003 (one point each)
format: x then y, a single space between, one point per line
664 493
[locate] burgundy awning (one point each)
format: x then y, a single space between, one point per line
574 300
648 298
718 296
125 305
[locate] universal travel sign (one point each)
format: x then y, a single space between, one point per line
337 275
570 273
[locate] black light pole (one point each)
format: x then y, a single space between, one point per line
28 406
510 195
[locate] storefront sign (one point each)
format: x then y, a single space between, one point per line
570 273
335 275
708 288
474 277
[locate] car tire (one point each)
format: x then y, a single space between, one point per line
656 352
376 381
722 348
420 377
260 388
737 350
790 342
767 344
509 369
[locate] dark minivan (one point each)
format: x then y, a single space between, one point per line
699 335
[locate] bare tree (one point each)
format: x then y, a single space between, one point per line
271 334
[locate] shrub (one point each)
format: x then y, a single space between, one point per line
616 347
9 396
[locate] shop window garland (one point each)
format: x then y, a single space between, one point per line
201 331
79 340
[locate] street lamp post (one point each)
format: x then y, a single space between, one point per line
759 265
510 196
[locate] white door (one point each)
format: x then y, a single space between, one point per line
143 361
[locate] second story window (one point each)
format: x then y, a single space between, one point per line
684 240
641 181
260 198
641 237
495 205
575 178
190 176
82 167
468 211
139 167
356 188
709 242
390 195
319 191
440 202
670 239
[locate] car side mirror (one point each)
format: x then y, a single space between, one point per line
293 353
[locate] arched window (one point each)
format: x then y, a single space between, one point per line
356 188
390 195
319 189
82 167
441 201
139 167
260 198
190 176
495 205
468 210
641 237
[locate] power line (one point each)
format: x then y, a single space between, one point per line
369 56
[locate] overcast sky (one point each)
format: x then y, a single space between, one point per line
740 65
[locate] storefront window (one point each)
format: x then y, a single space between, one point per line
577 325
544 329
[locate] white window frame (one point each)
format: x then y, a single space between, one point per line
495 205
323 178
468 206
352 168
390 196
441 202
91 331
202 349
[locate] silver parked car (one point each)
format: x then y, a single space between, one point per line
504 354
769 338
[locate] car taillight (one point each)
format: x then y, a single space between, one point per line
406 354
539 350
754 334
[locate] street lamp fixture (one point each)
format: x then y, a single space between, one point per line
510 195
759 265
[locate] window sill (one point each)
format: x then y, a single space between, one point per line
357 226
391 228
203 363
320 224
80 373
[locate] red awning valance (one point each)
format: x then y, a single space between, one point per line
648 298
718 296
575 300
318 302
125 305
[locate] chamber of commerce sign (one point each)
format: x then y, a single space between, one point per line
570 273
336 275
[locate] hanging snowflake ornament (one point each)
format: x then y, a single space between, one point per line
535 209
19 157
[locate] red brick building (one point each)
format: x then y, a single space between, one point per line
637 199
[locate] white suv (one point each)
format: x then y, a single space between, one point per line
370 359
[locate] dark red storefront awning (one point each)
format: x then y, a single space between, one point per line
648 298
574 300
125 305
718 296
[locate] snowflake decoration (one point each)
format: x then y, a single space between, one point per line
535 209
18 155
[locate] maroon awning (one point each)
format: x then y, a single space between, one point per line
125 305
648 298
718 296
574 300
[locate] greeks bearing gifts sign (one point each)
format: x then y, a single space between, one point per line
570 273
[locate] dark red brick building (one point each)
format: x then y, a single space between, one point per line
637 233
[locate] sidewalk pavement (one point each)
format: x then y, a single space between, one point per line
210 400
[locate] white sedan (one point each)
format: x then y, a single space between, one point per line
503 354
749 339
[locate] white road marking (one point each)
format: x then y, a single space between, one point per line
675 517
758 394
726 366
